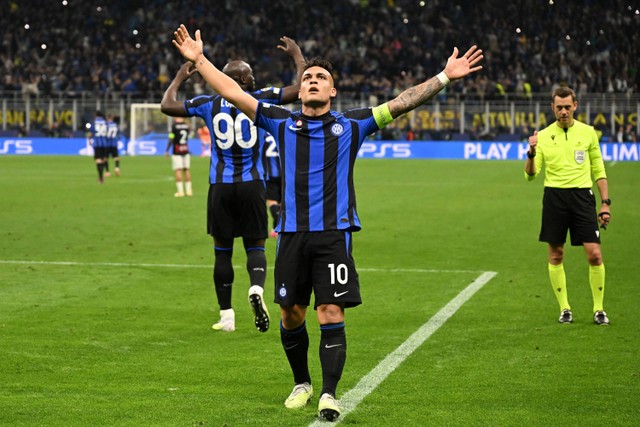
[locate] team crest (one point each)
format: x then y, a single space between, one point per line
337 129
579 155
282 291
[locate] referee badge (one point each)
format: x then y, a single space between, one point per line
579 155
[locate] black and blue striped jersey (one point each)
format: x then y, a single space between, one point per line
317 157
236 144
271 158
113 132
99 129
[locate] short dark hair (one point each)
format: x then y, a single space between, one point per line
563 92
319 62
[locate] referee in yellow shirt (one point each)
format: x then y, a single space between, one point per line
570 153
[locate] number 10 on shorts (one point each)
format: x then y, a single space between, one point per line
339 273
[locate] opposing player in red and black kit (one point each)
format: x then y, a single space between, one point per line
318 148
236 201
181 158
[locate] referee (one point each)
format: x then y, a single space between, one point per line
570 153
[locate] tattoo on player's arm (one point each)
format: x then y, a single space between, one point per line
415 96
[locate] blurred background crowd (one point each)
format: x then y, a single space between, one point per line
379 47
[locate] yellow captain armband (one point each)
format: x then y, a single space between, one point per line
382 115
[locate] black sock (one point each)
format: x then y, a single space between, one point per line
106 166
223 277
333 354
296 346
100 170
117 163
257 266
275 213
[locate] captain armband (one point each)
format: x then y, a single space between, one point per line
382 115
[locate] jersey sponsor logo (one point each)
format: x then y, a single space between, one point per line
337 129
579 156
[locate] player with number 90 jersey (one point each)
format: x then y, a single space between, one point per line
236 144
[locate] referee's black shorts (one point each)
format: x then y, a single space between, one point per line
237 210
572 209
318 262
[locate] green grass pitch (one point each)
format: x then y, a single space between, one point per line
106 304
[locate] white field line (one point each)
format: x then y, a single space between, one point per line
350 400
374 378
209 266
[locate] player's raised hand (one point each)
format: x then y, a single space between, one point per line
466 64
188 47
289 46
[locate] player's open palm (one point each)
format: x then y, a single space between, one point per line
468 63
188 47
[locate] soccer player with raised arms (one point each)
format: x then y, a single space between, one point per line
318 148
236 203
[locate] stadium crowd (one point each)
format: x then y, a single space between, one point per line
379 47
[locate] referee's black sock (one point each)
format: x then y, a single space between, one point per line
256 266
223 277
296 346
333 354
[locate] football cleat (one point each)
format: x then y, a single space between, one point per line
273 234
179 194
300 396
117 171
189 193
107 174
600 318
566 316
260 312
328 409
227 322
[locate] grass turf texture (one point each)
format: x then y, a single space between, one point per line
121 335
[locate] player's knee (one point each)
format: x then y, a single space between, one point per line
330 313
292 316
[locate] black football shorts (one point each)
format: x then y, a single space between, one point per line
318 262
237 210
572 209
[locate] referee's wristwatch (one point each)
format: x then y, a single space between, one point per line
606 202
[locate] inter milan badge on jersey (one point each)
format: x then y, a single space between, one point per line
579 155
337 129
282 291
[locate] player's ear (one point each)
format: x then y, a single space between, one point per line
334 92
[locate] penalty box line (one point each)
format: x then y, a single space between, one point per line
374 378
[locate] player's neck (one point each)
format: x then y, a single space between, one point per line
316 110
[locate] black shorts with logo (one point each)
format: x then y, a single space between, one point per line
572 209
318 262
237 210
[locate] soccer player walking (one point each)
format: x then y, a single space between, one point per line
569 150
236 201
318 148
